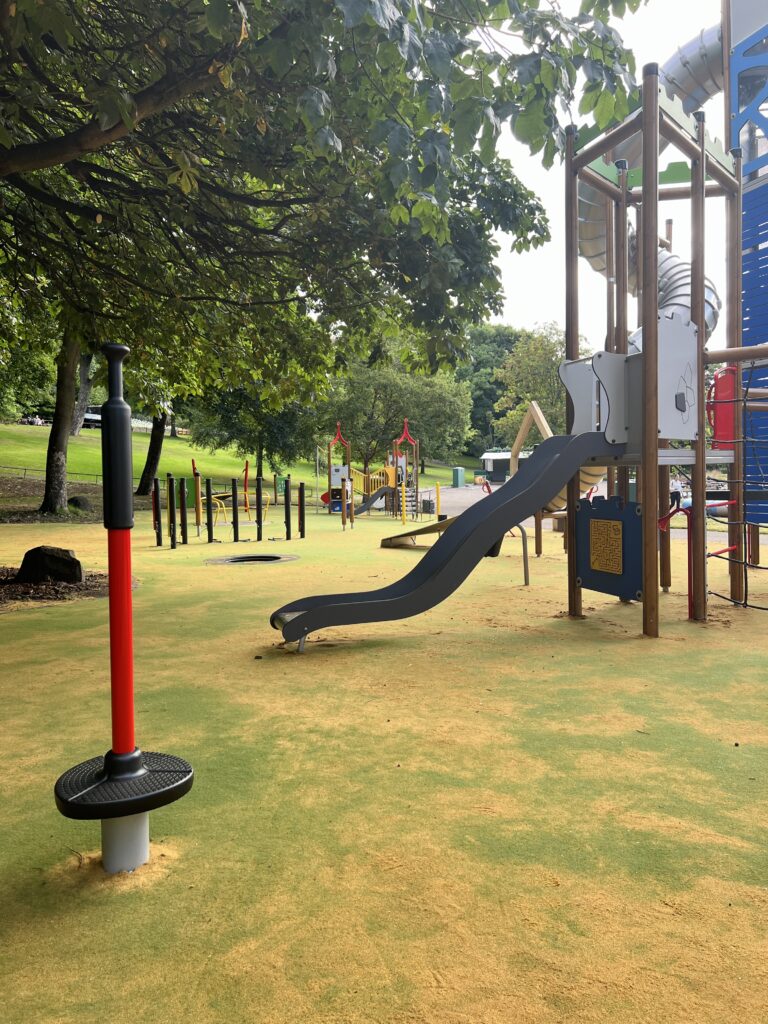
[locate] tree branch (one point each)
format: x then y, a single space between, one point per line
163 93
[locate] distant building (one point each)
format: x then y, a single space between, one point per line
496 465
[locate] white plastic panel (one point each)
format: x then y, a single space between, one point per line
677 379
610 369
580 382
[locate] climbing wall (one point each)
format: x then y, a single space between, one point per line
749 129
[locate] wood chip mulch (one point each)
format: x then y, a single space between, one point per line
96 584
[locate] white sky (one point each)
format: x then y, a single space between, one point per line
534 282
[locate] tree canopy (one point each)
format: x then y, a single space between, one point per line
307 152
530 373
488 346
233 187
371 402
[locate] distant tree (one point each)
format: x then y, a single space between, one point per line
238 419
372 401
530 373
27 381
87 375
488 346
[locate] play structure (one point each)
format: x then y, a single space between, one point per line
222 499
123 786
209 504
338 497
638 408
393 488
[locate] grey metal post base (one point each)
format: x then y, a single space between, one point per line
125 842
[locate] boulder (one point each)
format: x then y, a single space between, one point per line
46 564
81 503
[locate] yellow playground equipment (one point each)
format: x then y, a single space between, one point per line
220 499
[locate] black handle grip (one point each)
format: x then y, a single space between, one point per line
116 454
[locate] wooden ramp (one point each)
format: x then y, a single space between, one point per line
402 540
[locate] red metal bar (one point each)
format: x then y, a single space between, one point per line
721 551
121 640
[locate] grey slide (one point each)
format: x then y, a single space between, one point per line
473 535
371 500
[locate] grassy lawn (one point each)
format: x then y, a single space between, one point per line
485 814
25 447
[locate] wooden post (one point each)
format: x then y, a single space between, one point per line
198 502
416 465
246 499
610 333
572 348
737 512
621 257
259 507
754 543
698 526
235 512
302 511
287 506
665 537
343 503
330 503
157 512
170 494
183 511
650 323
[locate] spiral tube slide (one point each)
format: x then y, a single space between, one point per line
694 74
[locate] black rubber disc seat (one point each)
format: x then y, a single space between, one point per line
116 785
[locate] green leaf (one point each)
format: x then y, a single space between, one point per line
326 141
400 140
604 108
530 125
217 17
409 45
467 118
399 214
354 11
314 106
438 55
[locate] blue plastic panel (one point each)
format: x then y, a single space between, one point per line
609 535
748 56
755 332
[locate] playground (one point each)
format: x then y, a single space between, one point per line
361 737
429 824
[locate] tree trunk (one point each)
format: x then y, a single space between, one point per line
55 496
152 460
173 425
84 394
259 459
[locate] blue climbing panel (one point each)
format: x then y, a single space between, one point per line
609 547
749 128
755 332
749 96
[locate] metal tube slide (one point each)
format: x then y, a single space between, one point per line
694 74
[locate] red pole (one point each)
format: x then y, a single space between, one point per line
121 640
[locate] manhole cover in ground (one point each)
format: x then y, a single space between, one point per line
247 559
